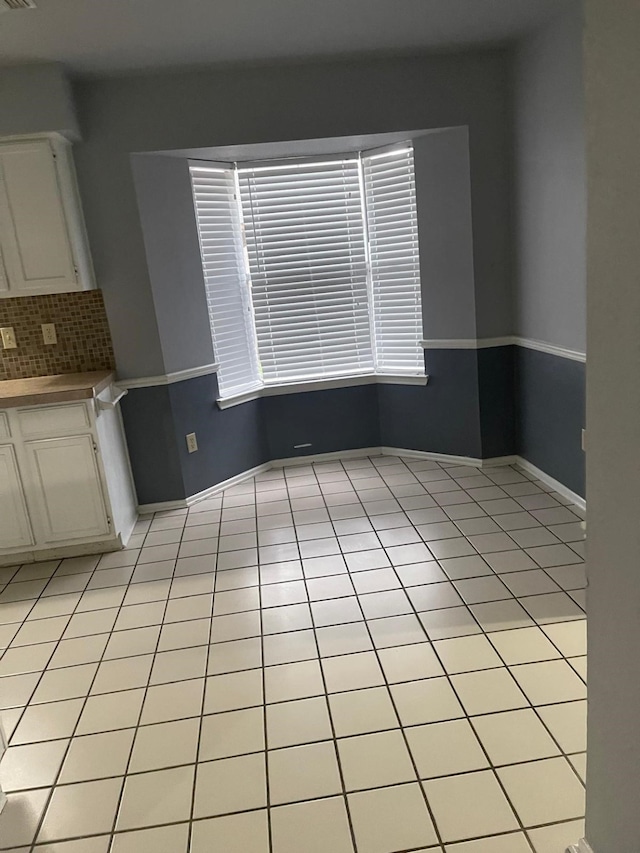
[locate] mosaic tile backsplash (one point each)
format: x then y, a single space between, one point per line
84 341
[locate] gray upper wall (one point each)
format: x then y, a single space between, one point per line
227 106
36 99
443 195
550 185
165 201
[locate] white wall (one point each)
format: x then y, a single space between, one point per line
550 186
612 74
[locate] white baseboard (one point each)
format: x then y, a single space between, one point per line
582 846
443 458
556 485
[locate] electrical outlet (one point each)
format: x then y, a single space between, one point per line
49 334
8 336
192 442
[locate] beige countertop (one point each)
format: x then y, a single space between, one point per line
63 388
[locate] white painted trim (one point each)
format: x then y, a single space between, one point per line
168 378
164 506
467 343
319 385
556 485
360 452
511 340
582 846
552 349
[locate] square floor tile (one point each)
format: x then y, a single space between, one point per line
162 839
350 672
122 644
334 586
232 733
298 722
289 647
406 663
396 631
375 760
553 555
510 561
45 722
34 766
488 691
486 810
97 756
444 549
446 748
376 580
463 654
501 615
21 816
513 737
336 611
362 711
293 681
303 773
323 566
569 637
343 639
458 568
410 827
434 596
164 745
162 796
314 827
477 590
429 701
230 785
166 702
568 724
236 600
532 582
514 842
548 839
292 617
87 808
376 605
236 626
234 690
419 574
183 635
123 674
179 665
523 645
239 833
549 682
362 561
277 594
235 655
452 622
570 577
544 791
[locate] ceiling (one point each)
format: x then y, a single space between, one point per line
111 36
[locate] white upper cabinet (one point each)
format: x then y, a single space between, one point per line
43 244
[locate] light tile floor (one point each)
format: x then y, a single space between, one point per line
367 656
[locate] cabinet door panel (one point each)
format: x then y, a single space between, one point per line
15 529
33 228
66 486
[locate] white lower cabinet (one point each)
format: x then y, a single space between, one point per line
68 491
15 528
67 487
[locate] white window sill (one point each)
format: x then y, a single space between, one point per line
319 385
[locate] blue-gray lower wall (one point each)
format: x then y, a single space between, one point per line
550 406
441 417
331 420
482 403
151 438
496 381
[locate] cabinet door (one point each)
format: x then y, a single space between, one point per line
34 236
65 486
15 529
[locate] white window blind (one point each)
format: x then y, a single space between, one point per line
223 263
307 258
390 197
